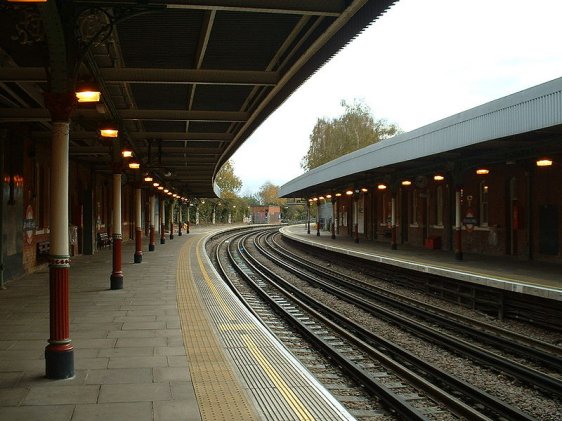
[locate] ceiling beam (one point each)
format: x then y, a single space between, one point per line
36 114
164 136
148 75
309 7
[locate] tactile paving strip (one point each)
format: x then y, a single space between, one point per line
217 388
279 385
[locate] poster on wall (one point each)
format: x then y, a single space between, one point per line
29 225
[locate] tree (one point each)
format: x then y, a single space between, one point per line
227 181
269 195
355 129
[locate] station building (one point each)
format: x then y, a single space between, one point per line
266 214
486 180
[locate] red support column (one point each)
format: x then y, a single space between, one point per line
171 220
356 216
458 231
187 222
59 353
393 241
138 225
117 274
333 227
151 241
318 218
162 222
308 217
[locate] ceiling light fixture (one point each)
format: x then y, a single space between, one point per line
85 92
544 162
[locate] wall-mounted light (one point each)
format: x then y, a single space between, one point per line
148 179
544 162
321 198
364 190
127 153
134 165
349 192
315 199
328 196
482 171
85 92
338 194
438 177
155 184
166 191
381 187
160 188
406 183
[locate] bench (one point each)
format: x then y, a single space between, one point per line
43 248
103 240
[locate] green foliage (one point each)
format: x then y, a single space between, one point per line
227 181
269 195
355 129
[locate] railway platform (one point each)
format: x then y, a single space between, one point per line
173 344
527 277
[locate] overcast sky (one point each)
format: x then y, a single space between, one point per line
422 61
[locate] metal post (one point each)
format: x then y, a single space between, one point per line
3 138
162 222
393 243
318 218
117 274
59 353
171 220
151 242
308 217
138 225
333 227
458 232
180 222
187 223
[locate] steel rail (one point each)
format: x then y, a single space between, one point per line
363 377
511 342
527 375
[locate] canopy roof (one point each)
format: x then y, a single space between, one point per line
518 127
187 81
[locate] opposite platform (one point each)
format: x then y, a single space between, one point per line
527 277
174 344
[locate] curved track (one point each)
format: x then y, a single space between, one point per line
425 379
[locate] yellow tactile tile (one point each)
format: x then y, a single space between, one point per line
218 391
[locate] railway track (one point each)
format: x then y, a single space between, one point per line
546 354
426 391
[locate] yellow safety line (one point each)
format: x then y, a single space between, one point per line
212 286
219 394
285 390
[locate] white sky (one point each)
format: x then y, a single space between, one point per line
422 61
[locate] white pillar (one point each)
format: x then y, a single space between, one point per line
59 190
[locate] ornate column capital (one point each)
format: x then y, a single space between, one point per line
60 105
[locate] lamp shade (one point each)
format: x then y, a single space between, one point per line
87 92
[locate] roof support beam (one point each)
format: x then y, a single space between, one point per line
36 114
141 75
299 7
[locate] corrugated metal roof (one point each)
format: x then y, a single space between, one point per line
531 110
